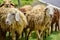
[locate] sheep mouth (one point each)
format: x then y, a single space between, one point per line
7 22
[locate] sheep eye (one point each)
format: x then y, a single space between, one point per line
24 13
13 14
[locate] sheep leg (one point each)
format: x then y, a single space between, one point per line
13 35
19 33
27 37
48 31
39 35
4 35
17 36
24 31
57 25
52 27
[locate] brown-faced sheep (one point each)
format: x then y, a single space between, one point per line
54 12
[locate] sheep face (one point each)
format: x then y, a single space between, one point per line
50 10
11 17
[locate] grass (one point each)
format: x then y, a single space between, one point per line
1 1
53 36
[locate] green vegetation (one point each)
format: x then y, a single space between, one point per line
1 1
22 2
54 36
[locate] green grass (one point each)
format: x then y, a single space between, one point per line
23 2
1 1
53 36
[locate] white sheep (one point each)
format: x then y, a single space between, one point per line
13 20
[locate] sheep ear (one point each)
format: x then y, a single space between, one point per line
17 17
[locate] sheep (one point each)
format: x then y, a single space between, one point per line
20 21
10 24
37 21
54 12
25 9
4 7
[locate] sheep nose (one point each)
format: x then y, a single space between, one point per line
13 14
7 5
7 22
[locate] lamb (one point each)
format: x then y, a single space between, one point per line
13 21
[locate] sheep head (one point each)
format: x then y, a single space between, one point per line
7 3
11 16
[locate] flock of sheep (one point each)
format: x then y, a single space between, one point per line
22 21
